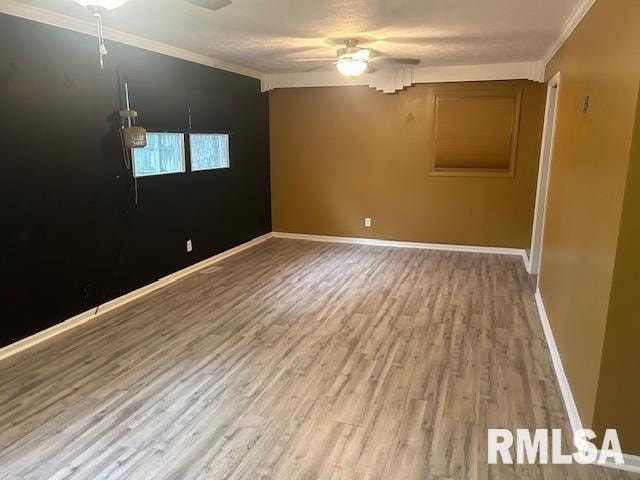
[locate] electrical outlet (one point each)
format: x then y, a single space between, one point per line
189 245
367 222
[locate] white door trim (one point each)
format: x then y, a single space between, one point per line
544 171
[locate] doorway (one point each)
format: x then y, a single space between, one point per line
546 154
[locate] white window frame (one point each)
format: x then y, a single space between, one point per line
227 151
183 156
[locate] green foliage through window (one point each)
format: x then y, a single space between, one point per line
209 151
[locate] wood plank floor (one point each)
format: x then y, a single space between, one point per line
293 360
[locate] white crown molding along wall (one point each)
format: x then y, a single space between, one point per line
582 8
29 12
386 81
393 80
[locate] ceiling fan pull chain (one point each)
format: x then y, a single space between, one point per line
102 49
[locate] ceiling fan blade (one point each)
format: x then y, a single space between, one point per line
211 4
395 61
319 59
321 68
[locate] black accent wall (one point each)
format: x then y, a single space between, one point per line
71 235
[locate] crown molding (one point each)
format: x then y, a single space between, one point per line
393 80
385 80
11 7
572 22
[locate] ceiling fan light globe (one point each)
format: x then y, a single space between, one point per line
350 67
363 54
101 4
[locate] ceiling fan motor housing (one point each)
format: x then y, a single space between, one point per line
350 49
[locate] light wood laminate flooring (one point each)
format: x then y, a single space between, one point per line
294 360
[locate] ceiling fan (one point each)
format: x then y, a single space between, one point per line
211 4
353 60
98 7
102 5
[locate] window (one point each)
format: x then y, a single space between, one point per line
209 151
163 154
476 132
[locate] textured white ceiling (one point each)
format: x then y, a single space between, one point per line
276 36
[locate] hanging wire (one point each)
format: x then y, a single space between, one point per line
102 48
128 151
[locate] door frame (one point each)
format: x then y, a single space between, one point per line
544 174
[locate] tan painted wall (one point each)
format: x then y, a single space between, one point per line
618 389
340 154
588 175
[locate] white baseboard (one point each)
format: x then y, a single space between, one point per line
399 244
565 388
631 462
84 317
50 332
526 261
129 297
